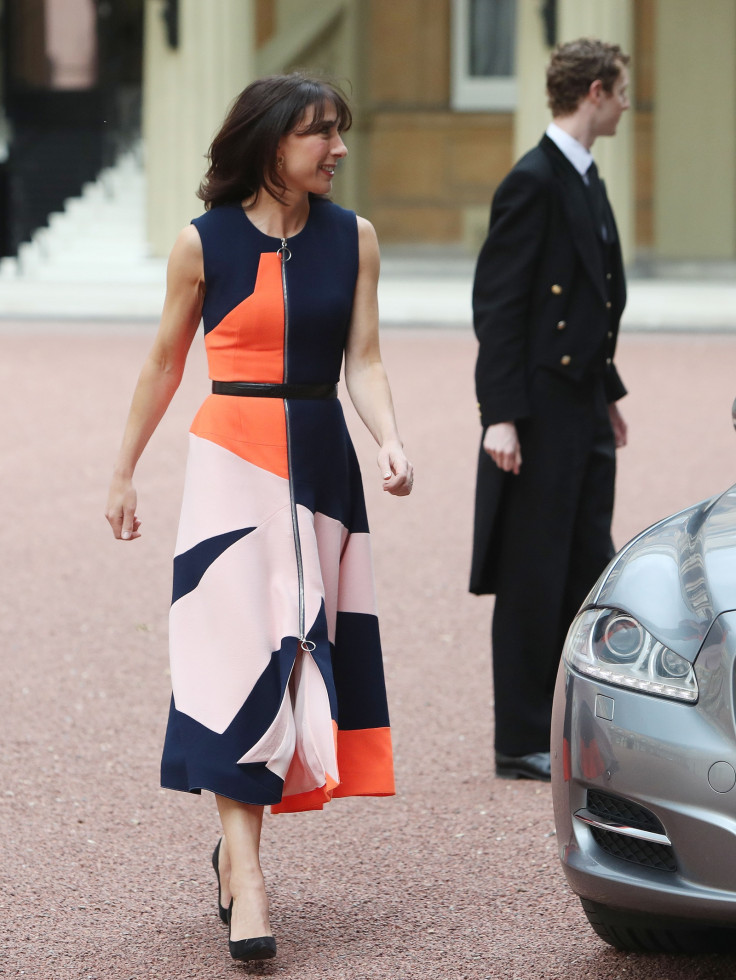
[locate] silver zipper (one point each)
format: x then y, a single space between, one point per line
306 645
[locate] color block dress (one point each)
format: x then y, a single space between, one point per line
277 676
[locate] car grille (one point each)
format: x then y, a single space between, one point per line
642 852
649 854
615 808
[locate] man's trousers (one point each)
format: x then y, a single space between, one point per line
554 542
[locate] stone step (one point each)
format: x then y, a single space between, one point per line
99 238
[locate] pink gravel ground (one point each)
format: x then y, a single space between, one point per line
107 877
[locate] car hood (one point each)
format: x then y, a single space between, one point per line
678 575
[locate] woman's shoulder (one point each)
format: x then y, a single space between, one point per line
186 257
327 212
337 233
219 217
223 234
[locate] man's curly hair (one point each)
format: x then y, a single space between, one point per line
574 67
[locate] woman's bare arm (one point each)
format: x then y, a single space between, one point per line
160 376
364 371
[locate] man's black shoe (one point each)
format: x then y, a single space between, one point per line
533 766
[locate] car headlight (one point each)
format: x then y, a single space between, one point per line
613 647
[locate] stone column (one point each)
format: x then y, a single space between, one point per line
186 92
352 191
610 21
695 130
532 54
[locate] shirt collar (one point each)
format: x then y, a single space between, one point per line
575 152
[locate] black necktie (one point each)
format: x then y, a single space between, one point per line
597 198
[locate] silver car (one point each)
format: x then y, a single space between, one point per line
644 739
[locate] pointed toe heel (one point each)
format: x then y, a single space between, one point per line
222 911
260 948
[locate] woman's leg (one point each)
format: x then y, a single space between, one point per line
240 869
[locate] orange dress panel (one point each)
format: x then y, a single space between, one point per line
248 345
365 760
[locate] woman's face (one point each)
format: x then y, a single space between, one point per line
309 159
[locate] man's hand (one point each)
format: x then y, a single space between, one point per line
501 442
620 431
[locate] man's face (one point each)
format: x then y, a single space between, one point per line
613 104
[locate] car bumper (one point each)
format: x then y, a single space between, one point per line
671 761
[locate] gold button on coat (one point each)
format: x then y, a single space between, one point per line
608 360
608 304
608 275
610 334
561 325
556 289
565 360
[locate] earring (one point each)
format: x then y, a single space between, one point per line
279 162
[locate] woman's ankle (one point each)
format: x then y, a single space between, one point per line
250 915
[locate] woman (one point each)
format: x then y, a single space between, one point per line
278 691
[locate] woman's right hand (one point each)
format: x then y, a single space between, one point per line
120 513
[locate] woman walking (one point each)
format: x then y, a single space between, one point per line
278 690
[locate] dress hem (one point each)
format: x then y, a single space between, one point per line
283 803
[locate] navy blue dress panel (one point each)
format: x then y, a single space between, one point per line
324 468
231 255
356 661
197 758
320 277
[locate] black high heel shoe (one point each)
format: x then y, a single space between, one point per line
260 948
223 912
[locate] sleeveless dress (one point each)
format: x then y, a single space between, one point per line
277 676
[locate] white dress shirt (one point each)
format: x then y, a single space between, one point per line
575 152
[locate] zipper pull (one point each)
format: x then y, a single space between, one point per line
284 251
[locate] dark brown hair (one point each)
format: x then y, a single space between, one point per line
575 66
243 154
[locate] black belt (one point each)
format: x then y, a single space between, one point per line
252 389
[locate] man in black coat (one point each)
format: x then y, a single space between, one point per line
548 295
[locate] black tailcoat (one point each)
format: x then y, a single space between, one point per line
541 300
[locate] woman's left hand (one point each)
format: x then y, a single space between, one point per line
397 471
